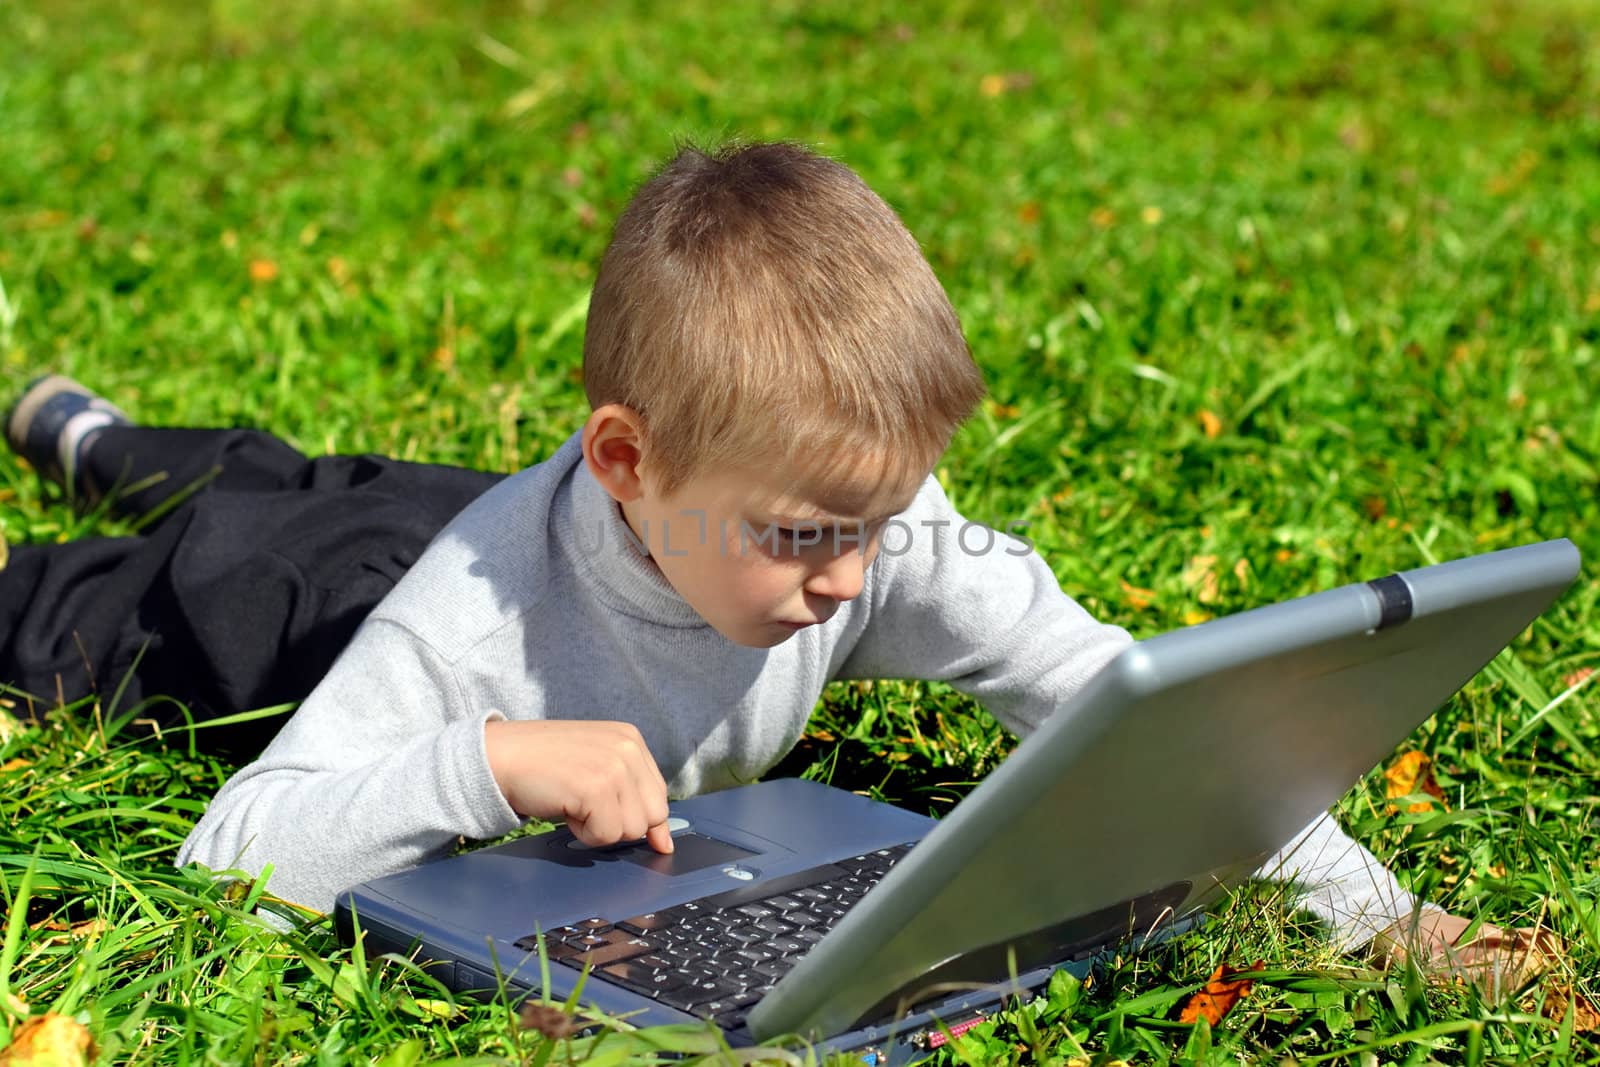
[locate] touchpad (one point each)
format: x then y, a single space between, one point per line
691 852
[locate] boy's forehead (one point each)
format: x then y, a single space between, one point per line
863 486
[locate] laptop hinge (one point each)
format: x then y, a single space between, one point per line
1394 600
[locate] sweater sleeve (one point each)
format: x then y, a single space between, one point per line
973 607
382 767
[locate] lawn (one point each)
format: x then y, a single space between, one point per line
1268 298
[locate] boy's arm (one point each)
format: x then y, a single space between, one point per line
996 625
383 766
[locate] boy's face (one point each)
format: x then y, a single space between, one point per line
762 552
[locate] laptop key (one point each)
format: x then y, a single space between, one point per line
555 950
755 954
655 962
775 969
772 926
612 953
783 902
648 923
595 925
630 972
787 946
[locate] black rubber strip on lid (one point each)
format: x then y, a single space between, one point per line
1394 600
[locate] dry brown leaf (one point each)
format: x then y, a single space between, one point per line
262 270
87 928
1028 213
1558 1001
992 84
1241 571
1209 423
1138 599
1222 991
1103 217
1409 775
550 1021
48 1041
1578 677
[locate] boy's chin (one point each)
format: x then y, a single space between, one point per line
769 636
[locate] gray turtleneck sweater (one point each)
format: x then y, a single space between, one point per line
533 603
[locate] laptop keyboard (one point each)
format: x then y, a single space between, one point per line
716 956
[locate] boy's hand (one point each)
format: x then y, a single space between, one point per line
598 777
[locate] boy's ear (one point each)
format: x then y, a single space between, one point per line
613 446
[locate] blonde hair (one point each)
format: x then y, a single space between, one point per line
760 303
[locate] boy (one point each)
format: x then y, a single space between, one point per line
747 514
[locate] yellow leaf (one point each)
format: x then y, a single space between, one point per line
1241 571
1151 215
262 270
15 764
1194 617
992 84
1138 599
1103 217
48 1041
1201 576
1209 423
1409 775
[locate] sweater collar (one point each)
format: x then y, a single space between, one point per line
605 551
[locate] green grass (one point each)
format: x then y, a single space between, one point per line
1358 242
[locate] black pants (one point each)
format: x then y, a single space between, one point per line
238 597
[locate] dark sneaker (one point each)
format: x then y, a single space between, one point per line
52 426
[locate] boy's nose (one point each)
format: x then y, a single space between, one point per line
840 578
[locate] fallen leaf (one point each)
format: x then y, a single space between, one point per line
1591 303
1103 217
1222 991
1209 423
15 764
48 1041
87 928
1578 677
1138 599
262 270
1151 215
992 84
1585 1016
1241 571
550 1021
1194 617
1200 575
1409 775
1003 411
1029 212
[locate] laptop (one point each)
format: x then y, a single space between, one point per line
791 907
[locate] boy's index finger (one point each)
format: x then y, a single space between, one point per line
659 838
